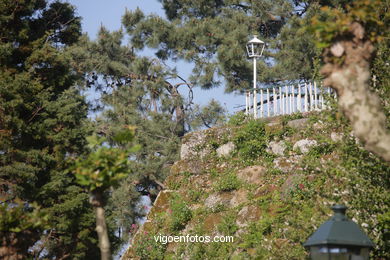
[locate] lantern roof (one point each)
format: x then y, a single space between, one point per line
338 231
255 40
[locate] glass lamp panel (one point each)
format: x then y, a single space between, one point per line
330 253
361 254
250 48
258 49
340 253
319 253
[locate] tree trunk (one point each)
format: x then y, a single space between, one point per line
101 227
347 70
179 109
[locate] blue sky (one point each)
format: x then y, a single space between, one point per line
109 13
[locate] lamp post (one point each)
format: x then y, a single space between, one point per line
255 48
339 239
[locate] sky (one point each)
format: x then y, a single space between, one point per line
109 13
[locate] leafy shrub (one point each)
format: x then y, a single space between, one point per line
251 140
256 232
148 248
18 217
237 119
228 225
180 215
228 182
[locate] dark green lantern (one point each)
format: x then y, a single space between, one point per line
339 239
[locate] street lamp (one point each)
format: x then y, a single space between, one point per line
339 239
255 48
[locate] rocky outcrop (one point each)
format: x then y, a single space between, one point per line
298 123
304 145
277 148
226 149
269 205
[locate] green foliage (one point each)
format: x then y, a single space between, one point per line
104 166
287 207
180 214
250 140
369 182
228 225
19 217
237 119
195 195
212 114
257 232
331 22
381 76
227 182
147 247
42 125
201 32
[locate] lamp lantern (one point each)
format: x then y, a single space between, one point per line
339 239
255 48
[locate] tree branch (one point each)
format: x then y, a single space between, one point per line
347 70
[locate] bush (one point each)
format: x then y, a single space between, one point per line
237 119
228 225
251 140
180 214
148 248
228 182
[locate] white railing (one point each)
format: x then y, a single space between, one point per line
289 99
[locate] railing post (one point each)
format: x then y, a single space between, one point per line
292 99
275 100
299 100
315 96
322 98
261 103
280 101
288 103
268 104
311 96
286 98
306 99
247 103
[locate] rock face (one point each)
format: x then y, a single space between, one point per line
288 164
336 137
196 145
273 127
248 214
226 149
216 199
298 123
277 148
193 146
251 174
226 199
291 184
275 187
304 145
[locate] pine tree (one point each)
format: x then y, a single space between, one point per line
138 91
213 34
42 126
